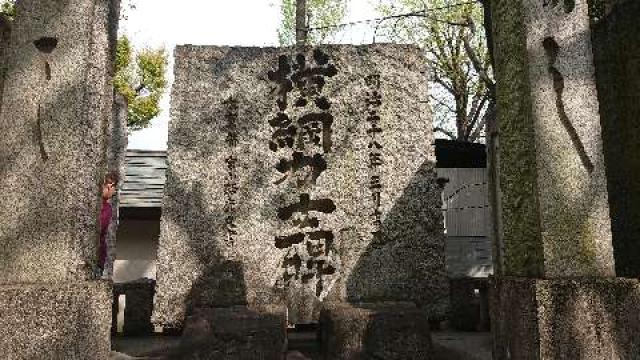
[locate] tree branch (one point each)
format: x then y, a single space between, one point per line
448 87
446 132
442 103
475 60
476 115
486 119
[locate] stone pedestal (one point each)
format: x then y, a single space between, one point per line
55 321
594 319
234 333
375 331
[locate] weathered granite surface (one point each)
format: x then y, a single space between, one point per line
374 331
566 319
5 35
116 155
616 41
56 106
55 321
552 194
234 333
552 186
335 198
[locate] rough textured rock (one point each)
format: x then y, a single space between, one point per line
55 321
116 155
552 193
552 184
375 331
56 106
567 319
234 333
138 306
5 34
616 40
335 198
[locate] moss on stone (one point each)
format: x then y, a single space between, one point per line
521 241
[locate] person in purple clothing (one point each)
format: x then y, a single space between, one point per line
108 189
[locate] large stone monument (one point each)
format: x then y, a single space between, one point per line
299 176
555 295
56 105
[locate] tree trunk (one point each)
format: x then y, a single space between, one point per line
301 22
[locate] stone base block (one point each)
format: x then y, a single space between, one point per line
235 333
566 319
469 299
55 321
374 331
138 306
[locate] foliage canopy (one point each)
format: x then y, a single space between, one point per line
321 16
460 72
8 8
140 78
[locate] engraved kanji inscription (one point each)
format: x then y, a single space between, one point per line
302 134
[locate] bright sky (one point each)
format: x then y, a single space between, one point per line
155 23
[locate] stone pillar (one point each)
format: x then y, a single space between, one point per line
56 107
552 193
616 43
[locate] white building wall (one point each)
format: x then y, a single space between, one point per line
465 205
137 244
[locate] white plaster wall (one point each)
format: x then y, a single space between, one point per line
136 247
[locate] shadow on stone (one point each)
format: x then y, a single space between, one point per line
567 319
402 267
405 261
616 44
218 321
375 331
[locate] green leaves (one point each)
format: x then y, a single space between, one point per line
139 77
8 8
456 52
142 82
323 15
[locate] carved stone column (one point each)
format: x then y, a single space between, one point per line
56 105
555 293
